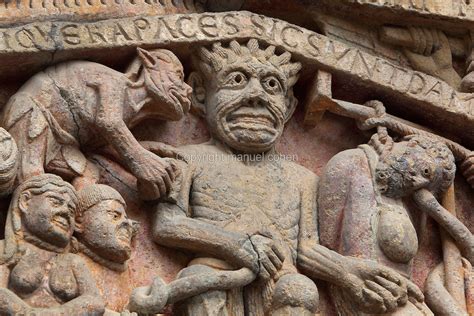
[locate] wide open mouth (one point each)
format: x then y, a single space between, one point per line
252 119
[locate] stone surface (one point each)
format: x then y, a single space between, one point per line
154 157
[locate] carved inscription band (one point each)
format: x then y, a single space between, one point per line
307 46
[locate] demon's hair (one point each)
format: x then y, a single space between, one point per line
213 59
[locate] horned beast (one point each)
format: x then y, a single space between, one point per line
81 104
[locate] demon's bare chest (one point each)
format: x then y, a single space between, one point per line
250 195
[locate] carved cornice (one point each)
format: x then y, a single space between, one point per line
420 92
23 11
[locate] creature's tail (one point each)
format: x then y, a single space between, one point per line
9 157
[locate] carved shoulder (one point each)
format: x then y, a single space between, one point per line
344 169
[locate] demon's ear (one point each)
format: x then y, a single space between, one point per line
148 59
198 98
291 103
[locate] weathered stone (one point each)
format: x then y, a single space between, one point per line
233 217
417 88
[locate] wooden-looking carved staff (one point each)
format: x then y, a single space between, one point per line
451 283
448 284
319 100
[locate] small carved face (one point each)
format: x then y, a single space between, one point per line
164 79
49 216
408 167
246 107
108 231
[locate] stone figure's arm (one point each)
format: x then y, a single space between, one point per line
315 260
153 173
333 191
458 231
371 287
173 228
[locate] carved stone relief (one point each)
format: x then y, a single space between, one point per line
154 158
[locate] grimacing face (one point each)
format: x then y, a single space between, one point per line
406 170
247 106
48 216
165 83
108 231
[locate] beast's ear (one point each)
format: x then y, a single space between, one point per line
198 98
147 58
290 106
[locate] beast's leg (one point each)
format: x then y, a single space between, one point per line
294 295
32 151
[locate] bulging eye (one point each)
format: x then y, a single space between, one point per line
272 84
236 79
427 172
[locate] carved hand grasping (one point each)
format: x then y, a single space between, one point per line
154 175
432 55
377 289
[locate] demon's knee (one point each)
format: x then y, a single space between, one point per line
295 294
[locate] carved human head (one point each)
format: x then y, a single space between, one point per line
44 208
245 92
102 224
416 162
161 72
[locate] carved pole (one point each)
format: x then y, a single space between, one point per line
453 267
320 100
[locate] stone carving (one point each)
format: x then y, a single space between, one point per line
39 276
376 223
256 214
245 94
231 226
8 162
104 232
424 90
430 51
67 106
432 55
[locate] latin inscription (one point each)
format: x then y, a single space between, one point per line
308 46
459 8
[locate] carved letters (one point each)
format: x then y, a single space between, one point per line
416 87
231 226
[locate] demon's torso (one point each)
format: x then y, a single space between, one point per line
259 196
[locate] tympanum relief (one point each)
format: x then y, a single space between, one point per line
159 161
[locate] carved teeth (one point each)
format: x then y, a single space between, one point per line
252 126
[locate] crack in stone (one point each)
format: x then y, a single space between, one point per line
70 105
112 174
